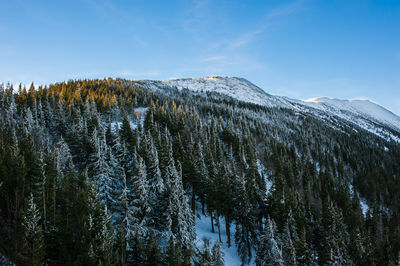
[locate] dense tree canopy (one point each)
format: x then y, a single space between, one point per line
111 172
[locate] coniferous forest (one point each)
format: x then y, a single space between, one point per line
109 172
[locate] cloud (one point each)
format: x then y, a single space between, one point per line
136 38
119 18
246 38
285 10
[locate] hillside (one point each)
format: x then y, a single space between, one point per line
181 172
363 113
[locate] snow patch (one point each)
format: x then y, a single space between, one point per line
203 231
263 171
364 206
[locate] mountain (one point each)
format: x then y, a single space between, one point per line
238 88
208 171
363 108
362 113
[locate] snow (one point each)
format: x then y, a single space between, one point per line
364 206
118 125
263 171
203 231
386 149
363 113
140 110
238 88
351 188
364 107
363 202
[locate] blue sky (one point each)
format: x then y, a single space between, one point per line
300 49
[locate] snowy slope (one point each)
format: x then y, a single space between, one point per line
363 113
363 108
203 232
238 88
234 87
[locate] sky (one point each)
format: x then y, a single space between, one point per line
343 49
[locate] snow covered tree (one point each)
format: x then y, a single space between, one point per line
99 169
157 188
102 236
217 255
34 248
335 238
140 208
180 217
245 223
268 251
287 242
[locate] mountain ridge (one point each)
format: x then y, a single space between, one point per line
363 113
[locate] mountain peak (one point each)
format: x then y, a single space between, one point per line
235 87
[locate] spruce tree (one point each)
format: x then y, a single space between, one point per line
268 251
33 241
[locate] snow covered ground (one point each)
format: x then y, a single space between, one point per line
203 231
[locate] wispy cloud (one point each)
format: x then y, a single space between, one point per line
285 10
222 53
120 19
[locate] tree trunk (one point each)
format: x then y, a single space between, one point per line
193 201
219 229
212 222
44 208
248 244
228 231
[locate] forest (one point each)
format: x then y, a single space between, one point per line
109 172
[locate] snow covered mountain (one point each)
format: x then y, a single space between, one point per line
362 113
238 88
363 108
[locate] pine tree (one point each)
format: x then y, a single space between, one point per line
140 206
102 237
34 248
287 242
157 188
335 237
217 255
153 254
99 168
268 251
180 217
245 223
201 173
205 254
172 253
